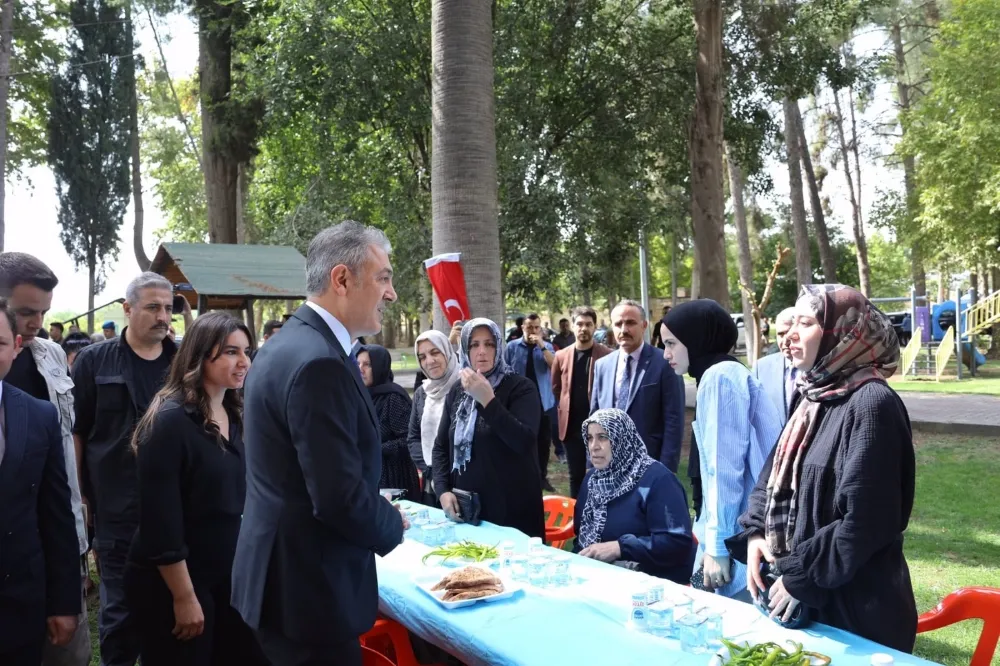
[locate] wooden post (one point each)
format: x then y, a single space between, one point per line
757 309
248 306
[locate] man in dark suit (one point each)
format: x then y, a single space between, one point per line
39 552
639 381
775 371
304 575
572 382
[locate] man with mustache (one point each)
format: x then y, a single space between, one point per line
115 380
775 371
638 381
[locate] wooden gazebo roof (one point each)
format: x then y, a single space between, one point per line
226 277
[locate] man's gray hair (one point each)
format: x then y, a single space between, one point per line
147 280
635 304
788 314
346 243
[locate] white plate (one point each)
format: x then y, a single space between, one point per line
428 580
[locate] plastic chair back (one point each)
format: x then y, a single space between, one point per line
390 637
969 603
370 657
559 519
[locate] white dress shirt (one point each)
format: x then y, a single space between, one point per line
621 371
339 332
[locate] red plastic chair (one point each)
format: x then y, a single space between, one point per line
389 635
559 519
969 603
370 657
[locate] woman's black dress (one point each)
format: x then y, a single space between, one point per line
504 464
855 498
191 496
398 470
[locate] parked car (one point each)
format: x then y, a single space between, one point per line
741 336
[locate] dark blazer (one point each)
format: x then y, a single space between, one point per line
313 521
562 378
39 552
770 371
656 403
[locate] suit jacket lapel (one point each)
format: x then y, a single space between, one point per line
313 319
16 435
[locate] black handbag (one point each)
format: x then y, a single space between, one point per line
468 506
801 616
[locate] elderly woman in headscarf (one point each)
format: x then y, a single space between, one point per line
829 511
392 406
486 439
631 510
439 365
735 427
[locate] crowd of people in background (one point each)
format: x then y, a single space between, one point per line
231 494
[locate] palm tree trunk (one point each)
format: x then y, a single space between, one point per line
463 162
743 246
706 155
803 261
826 257
6 43
919 275
861 244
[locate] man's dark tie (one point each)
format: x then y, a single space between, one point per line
621 397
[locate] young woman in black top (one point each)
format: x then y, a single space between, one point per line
191 493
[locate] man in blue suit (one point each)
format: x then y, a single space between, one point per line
638 380
39 552
775 371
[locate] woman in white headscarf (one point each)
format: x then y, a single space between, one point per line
486 441
439 364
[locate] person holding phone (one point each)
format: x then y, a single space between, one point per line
486 439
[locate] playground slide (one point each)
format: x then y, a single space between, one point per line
967 351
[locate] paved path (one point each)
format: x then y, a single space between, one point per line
929 412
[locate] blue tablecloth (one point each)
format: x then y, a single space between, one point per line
584 623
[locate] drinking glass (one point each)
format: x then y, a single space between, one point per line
659 619
519 567
560 576
538 571
691 628
712 628
447 534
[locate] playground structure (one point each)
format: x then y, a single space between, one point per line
930 333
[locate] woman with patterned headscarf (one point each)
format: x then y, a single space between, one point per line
486 439
631 510
830 508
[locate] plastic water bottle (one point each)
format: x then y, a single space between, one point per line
506 555
638 616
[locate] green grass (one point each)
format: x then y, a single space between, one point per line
953 539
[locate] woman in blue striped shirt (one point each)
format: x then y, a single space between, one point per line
736 427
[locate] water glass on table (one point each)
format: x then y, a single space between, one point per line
712 628
559 567
691 631
538 571
519 567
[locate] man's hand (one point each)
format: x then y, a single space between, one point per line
533 340
456 334
450 505
716 572
61 629
757 549
477 386
609 551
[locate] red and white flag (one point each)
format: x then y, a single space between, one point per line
448 280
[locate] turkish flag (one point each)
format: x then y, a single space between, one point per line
448 280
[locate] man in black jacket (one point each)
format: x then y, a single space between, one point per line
39 552
114 381
304 574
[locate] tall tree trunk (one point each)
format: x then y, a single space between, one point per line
673 269
464 162
242 185
861 244
855 150
215 53
706 154
803 260
6 43
826 256
743 245
133 129
91 288
917 272
994 351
